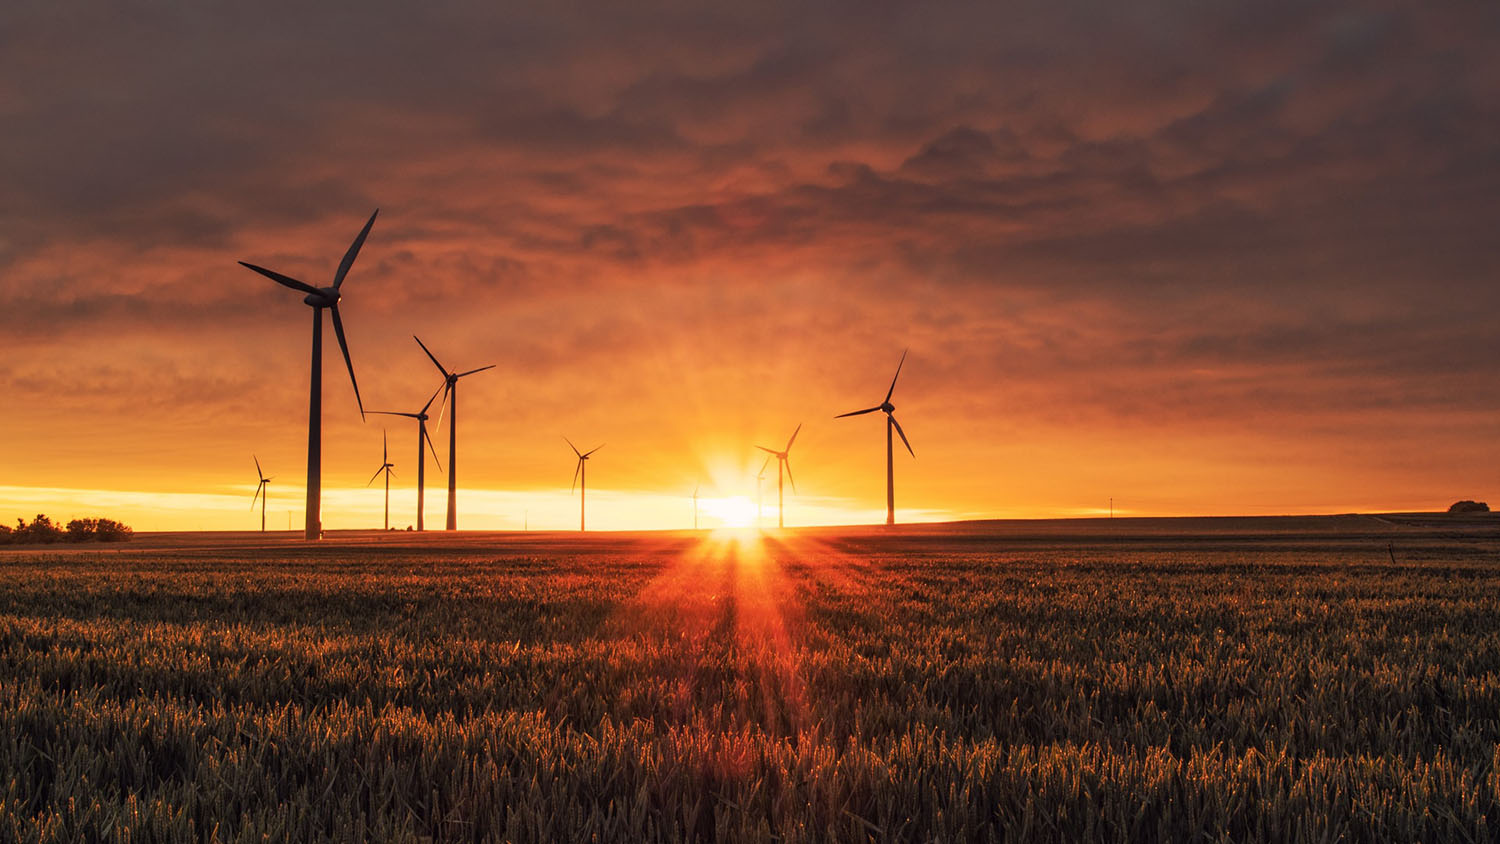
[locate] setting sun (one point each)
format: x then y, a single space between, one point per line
734 512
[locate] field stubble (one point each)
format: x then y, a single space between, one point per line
802 687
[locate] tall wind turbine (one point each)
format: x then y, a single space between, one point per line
450 395
421 417
385 466
581 478
261 493
319 298
890 422
783 462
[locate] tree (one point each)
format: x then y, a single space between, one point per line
1467 506
42 530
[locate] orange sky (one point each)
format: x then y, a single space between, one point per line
1198 262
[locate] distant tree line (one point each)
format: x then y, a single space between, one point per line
1467 506
42 530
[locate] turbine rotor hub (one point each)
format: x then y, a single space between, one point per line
326 297
888 407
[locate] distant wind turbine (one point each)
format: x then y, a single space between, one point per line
385 466
581 478
890 422
421 417
450 395
319 298
761 476
783 462
261 493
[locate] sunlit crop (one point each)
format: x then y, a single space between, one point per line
740 688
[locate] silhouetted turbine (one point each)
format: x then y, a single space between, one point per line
581 478
261 493
760 476
385 466
890 422
782 462
421 417
319 298
450 395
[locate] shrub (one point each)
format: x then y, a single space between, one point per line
43 531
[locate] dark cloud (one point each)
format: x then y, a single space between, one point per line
1156 211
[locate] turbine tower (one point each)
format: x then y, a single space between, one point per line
581 478
783 462
261 493
385 466
319 298
890 422
450 395
421 417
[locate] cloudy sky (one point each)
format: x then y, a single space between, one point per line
1198 257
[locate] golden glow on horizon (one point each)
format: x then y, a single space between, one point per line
733 512
227 507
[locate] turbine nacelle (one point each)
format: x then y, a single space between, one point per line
323 297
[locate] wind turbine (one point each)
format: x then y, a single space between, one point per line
450 395
695 505
890 422
261 493
421 417
761 476
581 478
385 466
782 462
319 298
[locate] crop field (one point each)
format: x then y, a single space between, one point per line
1329 679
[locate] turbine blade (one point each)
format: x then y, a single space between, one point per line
763 466
374 476
794 437
338 328
903 435
578 467
390 471
480 369
570 445
770 451
385 451
344 265
258 488
858 412
443 405
258 473
283 280
391 413
788 464
430 355
898 375
594 449
434 396
433 447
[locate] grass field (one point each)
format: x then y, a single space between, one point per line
1236 680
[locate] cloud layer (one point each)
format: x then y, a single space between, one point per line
1212 258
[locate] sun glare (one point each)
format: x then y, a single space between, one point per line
735 512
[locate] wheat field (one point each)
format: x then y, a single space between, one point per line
1185 680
